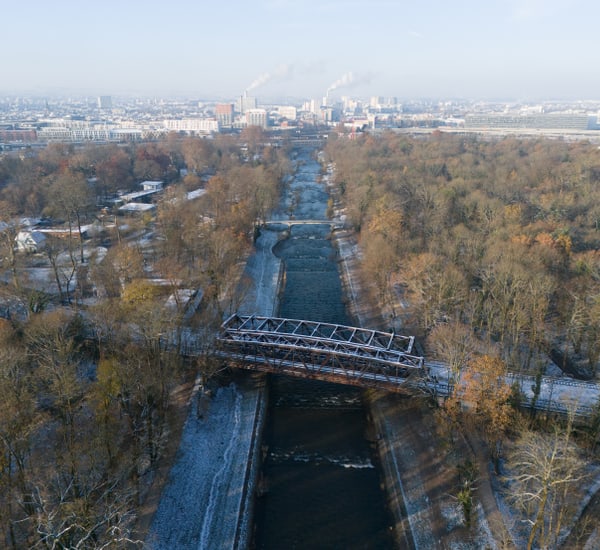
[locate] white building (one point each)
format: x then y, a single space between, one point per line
256 117
287 111
152 185
30 241
193 125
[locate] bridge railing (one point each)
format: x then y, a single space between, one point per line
283 346
314 349
258 327
304 363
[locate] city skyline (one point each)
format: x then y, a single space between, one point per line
501 49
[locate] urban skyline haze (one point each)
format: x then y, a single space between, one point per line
497 49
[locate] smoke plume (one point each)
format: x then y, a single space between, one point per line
281 72
342 82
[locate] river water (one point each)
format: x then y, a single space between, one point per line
323 487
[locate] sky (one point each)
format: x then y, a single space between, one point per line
410 49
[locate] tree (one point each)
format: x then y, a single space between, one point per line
101 518
71 197
254 137
8 250
54 247
381 262
222 252
197 154
543 471
113 167
152 162
121 265
455 344
485 394
436 290
52 340
19 417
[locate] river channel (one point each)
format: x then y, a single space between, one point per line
322 482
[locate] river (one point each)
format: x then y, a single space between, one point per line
322 482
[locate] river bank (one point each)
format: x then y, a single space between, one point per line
420 475
208 497
210 492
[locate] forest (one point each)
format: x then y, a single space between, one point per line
88 365
499 238
487 250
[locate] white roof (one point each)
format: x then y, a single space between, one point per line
195 194
136 207
35 236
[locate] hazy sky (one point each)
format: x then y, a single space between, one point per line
490 49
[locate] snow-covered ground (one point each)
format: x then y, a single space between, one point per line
263 268
203 504
200 505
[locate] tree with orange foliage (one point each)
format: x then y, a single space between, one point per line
485 395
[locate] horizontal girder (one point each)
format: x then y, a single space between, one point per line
329 351
316 331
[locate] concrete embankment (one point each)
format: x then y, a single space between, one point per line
379 408
208 499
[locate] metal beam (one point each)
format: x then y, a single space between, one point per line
311 348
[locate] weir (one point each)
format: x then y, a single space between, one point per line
315 446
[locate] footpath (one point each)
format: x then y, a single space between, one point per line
420 477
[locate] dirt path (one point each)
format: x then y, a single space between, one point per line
586 532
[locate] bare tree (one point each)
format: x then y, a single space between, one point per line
71 197
8 250
453 343
543 471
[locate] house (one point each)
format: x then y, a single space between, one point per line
136 208
152 185
149 189
30 241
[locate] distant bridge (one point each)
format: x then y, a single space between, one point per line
269 224
300 141
324 351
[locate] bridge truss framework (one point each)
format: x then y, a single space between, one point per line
311 349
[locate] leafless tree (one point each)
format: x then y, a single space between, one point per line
544 469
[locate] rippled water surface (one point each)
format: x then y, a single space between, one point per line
322 484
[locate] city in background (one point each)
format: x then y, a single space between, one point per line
27 121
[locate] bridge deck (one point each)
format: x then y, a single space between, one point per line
313 349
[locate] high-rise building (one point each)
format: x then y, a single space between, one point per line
245 102
224 113
105 102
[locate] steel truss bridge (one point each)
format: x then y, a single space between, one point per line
324 351
367 358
